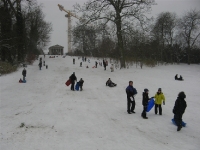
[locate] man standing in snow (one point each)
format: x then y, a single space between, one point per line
72 79
159 97
179 109
131 92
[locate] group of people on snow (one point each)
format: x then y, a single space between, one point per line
178 110
73 79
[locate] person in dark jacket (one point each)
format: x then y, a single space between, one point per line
81 81
73 60
179 109
72 79
40 65
176 77
104 64
145 100
110 83
96 63
24 74
131 92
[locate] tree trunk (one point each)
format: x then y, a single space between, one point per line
120 41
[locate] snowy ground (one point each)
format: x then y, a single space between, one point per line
57 118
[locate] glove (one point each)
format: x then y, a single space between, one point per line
163 102
131 98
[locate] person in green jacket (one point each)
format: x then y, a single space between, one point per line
159 99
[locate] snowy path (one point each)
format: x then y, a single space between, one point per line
96 118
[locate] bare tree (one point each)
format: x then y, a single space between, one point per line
164 31
116 11
189 28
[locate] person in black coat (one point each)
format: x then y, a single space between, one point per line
179 109
104 64
145 100
131 92
40 65
72 79
24 74
96 63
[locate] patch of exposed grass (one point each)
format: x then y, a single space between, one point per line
6 68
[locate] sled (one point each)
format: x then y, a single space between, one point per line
77 86
68 82
150 104
183 123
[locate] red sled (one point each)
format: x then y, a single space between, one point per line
68 82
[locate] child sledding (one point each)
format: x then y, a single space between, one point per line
178 78
110 83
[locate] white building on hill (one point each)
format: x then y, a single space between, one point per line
56 50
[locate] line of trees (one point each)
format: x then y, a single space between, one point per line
23 30
126 34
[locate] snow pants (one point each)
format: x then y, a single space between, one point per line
160 109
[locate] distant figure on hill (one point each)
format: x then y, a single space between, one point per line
177 78
110 83
96 63
73 60
72 79
24 74
85 59
40 65
112 68
131 92
80 64
81 81
179 109
104 64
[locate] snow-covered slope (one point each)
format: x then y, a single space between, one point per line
57 118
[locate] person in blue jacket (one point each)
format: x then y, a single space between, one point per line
131 92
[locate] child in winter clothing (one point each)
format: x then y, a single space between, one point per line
145 99
112 68
179 109
110 83
159 98
81 84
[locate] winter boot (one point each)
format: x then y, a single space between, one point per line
179 128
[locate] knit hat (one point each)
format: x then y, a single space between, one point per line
159 89
146 90
182 95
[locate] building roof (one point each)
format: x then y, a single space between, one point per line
56 46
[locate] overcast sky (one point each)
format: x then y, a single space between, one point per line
59 21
